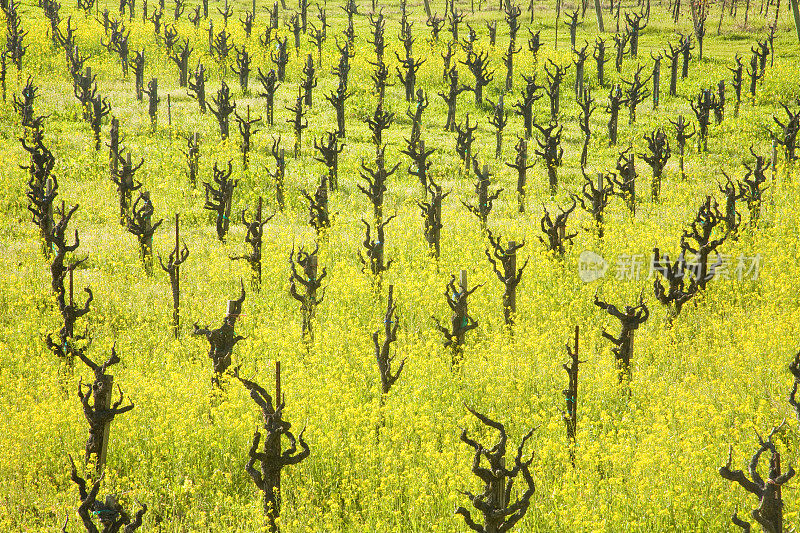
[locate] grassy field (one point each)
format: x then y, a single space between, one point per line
646 455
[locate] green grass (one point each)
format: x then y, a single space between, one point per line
645 461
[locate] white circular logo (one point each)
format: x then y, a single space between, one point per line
591 266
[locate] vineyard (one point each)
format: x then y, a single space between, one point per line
439 265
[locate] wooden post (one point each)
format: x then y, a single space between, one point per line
105 401
194 159
87 80
511 297
277 382
681 148
558 16
599 11
230 310
483 196
656 81
49 214
796 15
126 181
500 489
114 147
774 161
437 230
169 111
499 138
153 103
278 444
575 399
522 171
228 197
571 396
421 144
279 182
462 282
577 330
460 315
3 73
631 341
256 265
312 261
147 244
627 346
311 295
427 8
71 292
176 327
